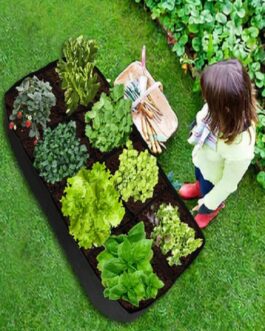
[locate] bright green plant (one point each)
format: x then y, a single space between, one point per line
32 106
126 271
173 236
111 120
137 174
77 72
93 206
59 154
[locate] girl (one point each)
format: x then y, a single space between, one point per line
224 137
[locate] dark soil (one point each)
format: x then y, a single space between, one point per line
135 211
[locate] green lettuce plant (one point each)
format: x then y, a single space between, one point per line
173 236
32 106
137 174
93 206
126 269
59 154
110 121
77 72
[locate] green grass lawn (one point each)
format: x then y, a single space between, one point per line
224 289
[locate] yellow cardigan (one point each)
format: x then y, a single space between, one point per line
225 166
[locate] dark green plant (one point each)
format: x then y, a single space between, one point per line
77 72
137 174
59 154
126 269
110 121
93 206
32 106
173 236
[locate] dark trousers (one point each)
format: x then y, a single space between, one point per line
205 187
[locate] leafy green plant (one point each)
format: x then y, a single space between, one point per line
126 271
137 174
59 154
111 120
173 236
209 31
32 106
93 205
77 72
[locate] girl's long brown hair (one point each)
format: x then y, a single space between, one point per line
230 96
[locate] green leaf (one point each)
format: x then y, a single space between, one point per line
137 233
221 18
227 7
196 44
117 92
179 49
259 75
183 40
113 267
241 12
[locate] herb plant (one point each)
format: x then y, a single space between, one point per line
111 120
126 271
60 153
33 104
137 174
93 206
174 236
77 72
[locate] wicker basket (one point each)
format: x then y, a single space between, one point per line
169 122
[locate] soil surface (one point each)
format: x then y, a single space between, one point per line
135 211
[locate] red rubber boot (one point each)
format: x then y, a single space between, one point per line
190 191
204 219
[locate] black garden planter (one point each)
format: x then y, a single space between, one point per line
84 261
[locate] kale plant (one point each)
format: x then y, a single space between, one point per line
126 269
77 72
32 106
59 154
93 206
174 236
137 174
111 120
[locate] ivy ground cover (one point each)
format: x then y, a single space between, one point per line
225 285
